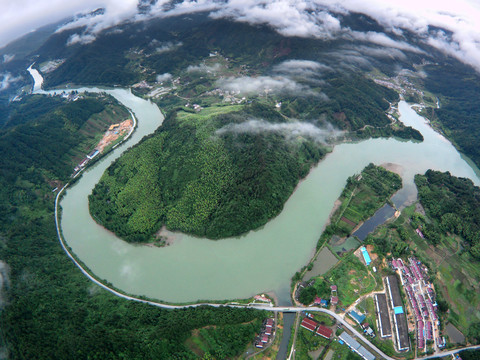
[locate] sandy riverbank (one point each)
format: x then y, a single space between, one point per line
395 168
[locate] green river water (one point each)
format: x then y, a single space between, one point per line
263 260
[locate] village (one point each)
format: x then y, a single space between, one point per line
112 137
392 318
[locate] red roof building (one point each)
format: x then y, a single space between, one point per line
334 300
269 322
324 331
309 324
333 287
264 339
317 300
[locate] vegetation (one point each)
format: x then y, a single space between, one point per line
53 137
446 249
319 288
194 179
363 195
453 203
223 342
49 308
352 278
457 86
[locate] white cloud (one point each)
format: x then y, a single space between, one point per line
384 40
80 39
23 16
288 17
265 84
290 130
8 57
6 79
376 52
166 47
202 68
301 68
164 77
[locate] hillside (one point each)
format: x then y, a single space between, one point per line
227 169
198 181
48 308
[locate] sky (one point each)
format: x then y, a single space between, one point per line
306 18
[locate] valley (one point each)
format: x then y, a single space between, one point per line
191 162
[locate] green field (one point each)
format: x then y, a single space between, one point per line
363 195
353 279
221 342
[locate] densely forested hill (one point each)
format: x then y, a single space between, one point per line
227 169
458 87
454 204
49 309
51 134
197 180
141 50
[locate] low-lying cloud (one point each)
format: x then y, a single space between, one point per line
202 68
164 77
167 46
7 58
302 18
6 79
80 39
290 130
267 84
302 69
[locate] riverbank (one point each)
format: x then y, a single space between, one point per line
136 269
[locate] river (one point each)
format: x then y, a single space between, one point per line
263 260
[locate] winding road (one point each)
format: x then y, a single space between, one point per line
291 309
288 309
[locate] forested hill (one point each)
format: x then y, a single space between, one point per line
454 203
48 308
51 134
198 181
140 51
458 87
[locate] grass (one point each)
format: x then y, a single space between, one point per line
363 195
352 278
324 319
308 341
208 112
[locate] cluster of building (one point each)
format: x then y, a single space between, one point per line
85 161
391 318
231 96
355 346
316 328
267 332
360 320
324 302
421 296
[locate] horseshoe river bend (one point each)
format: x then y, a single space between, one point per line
263 260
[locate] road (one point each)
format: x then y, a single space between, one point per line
290 309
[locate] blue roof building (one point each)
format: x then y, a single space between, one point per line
398 310
357 317
366 256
